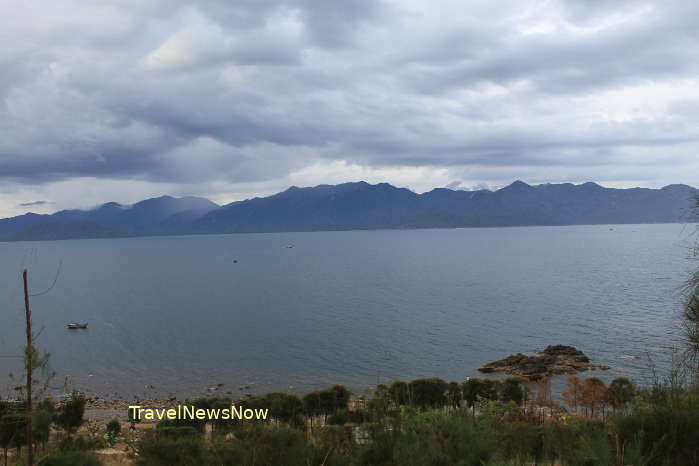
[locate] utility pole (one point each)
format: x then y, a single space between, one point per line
29 357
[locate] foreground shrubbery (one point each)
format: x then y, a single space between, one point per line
423 422
655 427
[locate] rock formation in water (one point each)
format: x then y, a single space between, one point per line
556 359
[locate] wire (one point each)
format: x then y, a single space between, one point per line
55 279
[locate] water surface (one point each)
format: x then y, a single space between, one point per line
182 314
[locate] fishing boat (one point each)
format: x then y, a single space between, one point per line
74 325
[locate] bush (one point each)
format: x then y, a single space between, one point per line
114 427
438 439
70 416
113 431
268 445
577 443
521 441
75 458
177 432
158 449
512 389
664 430
13 430
68 442
41 425
344 416
454 394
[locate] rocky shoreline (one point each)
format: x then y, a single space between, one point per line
554 360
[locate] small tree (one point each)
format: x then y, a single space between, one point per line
573 392
70 417
341 397
544 395
312 405
42 417
512 390
621 391
472 389
398 392
428 393
283 407
454 395
113 431
13 431
594 396
333 399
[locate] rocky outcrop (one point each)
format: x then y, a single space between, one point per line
556 359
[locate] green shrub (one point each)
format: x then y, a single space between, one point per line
454 394
344 416
158 449
268 445
113 431
662 427
520 441
80 442
75 458
512 389
176 432
577 443
13 430
621 391
41 425
70 416
475 389
439 439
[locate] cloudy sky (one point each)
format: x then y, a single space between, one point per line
123 100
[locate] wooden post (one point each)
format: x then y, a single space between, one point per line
29 356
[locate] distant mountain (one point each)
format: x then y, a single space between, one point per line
364 206
360 205
157 216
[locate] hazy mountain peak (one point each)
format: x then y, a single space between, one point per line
677 187
517 185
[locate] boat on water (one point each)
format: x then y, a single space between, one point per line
75 325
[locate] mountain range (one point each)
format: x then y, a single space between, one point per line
361 206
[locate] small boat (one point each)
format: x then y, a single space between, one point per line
74 325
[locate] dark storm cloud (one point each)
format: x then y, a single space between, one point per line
197 92
33 204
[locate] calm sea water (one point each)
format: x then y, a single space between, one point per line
182 314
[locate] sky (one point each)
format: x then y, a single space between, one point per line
124 100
